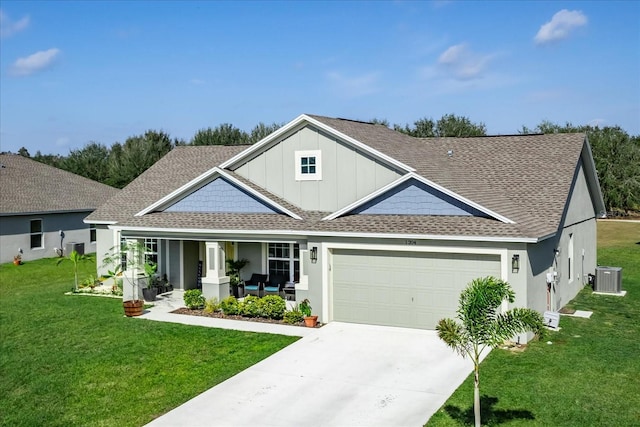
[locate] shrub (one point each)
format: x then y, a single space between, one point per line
251 306
294 316
273 306
230 305
193 299
305 308
212 305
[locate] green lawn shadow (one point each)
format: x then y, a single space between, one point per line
488 414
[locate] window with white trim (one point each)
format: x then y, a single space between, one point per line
308 165
92 233
570 259
284 260
35 229
151 251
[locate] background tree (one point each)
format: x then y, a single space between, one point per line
261 131
617 159
91 161
136 155
24 152
447 125
224 134
480 325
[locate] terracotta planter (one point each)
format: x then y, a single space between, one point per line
310 321
133 307
17 262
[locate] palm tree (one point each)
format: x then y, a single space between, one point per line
75 258
481 325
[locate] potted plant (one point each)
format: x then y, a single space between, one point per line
150 292
234 274
133 254
305 308
17 259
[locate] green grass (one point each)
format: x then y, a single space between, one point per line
588 376
76 360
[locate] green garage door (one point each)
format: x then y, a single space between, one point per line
409 289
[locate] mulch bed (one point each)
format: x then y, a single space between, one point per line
219 315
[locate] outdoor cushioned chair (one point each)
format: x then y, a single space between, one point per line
254 285
275 285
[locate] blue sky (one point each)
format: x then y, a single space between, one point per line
74 72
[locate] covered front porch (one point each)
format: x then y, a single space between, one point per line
203 264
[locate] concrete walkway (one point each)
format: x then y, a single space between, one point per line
338 375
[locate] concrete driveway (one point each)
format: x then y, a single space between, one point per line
341 375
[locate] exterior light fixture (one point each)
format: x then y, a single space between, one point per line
515 263
313 254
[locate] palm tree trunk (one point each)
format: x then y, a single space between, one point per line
476 394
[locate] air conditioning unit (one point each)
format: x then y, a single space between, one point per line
73 246
608 279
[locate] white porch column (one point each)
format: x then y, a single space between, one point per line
215 282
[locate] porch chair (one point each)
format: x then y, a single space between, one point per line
275 285
255 285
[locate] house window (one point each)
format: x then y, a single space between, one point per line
123 253
570 259
284 260
308 165
92 233
151 251
36 234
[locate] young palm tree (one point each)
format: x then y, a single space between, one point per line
481 325
75 258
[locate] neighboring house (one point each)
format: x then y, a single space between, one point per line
42 208
372 225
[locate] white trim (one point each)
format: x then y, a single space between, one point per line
336 234
202 180
99 222
317 155
413 175
304 118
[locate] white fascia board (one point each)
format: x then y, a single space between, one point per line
258 195
425 181
332 234
99 222
202 178
176 193
264 141
304 118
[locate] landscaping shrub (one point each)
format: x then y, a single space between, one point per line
230 306
212 305
294 316
193 299
273 306
251 306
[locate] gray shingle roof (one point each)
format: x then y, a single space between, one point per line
526 178
28 186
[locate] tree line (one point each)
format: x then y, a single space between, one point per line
616 153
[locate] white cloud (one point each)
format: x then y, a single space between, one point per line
463 64
364 84
560 26
34 62
9 27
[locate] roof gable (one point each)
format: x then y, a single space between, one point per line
413 197
240 195
221 195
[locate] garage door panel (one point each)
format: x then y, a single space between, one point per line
404 288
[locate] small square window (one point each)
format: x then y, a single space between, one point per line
308 165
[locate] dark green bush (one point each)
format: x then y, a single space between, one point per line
273 306
230 305
193 299
294 316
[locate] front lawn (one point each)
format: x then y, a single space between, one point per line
588 376
76 360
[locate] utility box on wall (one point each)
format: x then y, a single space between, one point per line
608 279
73 246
